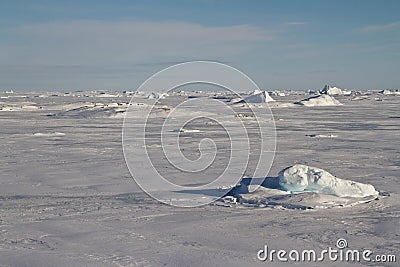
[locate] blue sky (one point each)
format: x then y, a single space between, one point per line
82 45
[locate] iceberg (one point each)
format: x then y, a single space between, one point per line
319 101
302 178
333 90
259 97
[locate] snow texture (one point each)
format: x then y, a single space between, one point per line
68 199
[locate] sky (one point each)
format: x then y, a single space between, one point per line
116 45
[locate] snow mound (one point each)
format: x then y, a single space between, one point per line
236 100
277 93
300 178
53 134
259 97
319 101
157 95
333 90
182 130
281 105
321 135
15 107
106 94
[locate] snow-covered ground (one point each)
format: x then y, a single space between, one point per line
68 199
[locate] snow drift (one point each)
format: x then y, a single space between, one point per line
300 178
94 110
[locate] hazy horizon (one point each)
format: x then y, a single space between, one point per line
281 45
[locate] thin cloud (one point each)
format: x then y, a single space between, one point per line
379 28
115 42
322 71
297 23
169 63
103 54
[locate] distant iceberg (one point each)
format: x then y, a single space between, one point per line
319 100
259 97
389 92
333 90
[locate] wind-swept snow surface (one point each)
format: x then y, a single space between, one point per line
300 178
67 197
93 110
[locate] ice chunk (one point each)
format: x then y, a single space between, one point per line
319 100
259 97
53 134
389 92
300 178
333 90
